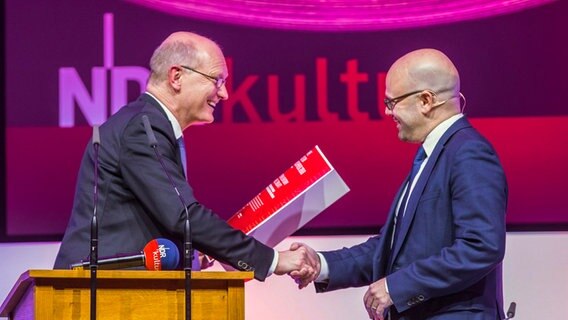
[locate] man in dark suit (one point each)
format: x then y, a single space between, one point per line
439 253
136 200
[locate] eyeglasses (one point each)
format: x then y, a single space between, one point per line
390 103
219 82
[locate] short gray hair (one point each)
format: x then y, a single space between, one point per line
171 53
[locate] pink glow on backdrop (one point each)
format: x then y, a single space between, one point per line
339 15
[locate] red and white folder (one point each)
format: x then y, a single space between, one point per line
294 198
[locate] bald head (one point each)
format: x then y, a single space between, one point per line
425 69
198 41
424 86
184 48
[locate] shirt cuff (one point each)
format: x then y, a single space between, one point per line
387 286
274 264
324 269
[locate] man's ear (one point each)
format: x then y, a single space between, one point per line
427 100
174 77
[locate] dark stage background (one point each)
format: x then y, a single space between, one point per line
70 64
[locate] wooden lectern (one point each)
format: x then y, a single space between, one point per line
125 294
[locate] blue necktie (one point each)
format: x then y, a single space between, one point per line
183 154
195 266
418 159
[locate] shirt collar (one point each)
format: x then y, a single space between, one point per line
173 121
435 135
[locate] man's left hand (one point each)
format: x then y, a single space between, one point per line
377 300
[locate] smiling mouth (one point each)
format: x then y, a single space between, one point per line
397 123
212 104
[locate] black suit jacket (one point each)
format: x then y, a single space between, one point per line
137 203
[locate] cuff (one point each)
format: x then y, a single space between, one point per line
324 269
274 264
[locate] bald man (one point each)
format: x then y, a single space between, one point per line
136 200
439 253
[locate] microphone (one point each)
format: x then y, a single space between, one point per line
153 142
150 133
158 254
94 256
511 311
187 249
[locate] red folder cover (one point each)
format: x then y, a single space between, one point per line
294 198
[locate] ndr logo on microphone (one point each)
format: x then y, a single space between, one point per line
161 254
158 254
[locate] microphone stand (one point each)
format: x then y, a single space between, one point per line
93 257
187 246
187 257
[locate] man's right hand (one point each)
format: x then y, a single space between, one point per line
312 259
294 261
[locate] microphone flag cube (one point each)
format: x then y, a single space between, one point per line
161 254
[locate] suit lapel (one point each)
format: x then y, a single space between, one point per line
418 190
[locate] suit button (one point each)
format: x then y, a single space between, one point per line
420 298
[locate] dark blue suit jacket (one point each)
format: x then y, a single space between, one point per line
137 202
447 264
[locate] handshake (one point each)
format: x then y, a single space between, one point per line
301 262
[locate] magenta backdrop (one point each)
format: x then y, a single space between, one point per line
68 67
